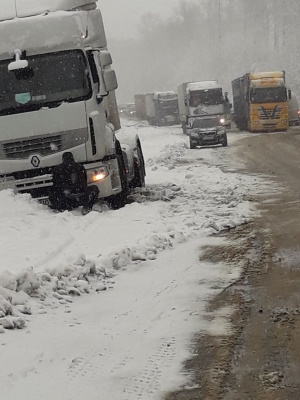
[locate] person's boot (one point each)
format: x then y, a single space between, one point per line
87 208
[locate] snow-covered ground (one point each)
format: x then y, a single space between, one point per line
104 306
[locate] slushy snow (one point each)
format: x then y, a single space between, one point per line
106 305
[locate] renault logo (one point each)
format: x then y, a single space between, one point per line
35 161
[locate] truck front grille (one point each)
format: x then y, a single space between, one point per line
269 126
265 114
36 189
22 149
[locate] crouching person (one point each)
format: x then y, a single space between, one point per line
70 189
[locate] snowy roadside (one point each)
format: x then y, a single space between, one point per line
141 260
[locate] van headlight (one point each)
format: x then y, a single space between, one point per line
97 174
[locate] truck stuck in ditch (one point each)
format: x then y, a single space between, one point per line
57 94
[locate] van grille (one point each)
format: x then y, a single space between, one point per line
22 149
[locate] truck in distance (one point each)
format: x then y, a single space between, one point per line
58 94
201 100
140 106
158 108
207 131
260 102
293 110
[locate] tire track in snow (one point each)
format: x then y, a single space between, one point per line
54 253
141 343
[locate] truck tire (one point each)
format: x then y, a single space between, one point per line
192 144
119 200
139 171
161 122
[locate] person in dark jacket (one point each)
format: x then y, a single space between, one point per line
70 189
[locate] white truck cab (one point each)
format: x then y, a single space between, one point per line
201 100
57 94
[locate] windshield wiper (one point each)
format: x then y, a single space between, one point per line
28 108
52 104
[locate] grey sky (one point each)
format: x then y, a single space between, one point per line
122 16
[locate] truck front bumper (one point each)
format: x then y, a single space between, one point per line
40 186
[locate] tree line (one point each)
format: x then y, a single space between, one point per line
210 39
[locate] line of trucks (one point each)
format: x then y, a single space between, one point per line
191 100
57 94
201 108
261 103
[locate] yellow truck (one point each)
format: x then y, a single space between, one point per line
260 102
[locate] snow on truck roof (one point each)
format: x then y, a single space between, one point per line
11 9
165 95
203 85
260 75
54 31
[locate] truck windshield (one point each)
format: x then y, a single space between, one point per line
209 97
168 104
204 123
49 80
268 95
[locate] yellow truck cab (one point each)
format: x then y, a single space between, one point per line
261 102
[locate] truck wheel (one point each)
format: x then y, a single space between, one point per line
119 200
139 171
192 144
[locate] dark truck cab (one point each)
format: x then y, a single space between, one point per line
207 132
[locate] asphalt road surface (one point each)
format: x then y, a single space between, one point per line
261 358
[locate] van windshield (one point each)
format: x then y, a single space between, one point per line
49 80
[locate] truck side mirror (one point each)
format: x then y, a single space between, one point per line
18 63
230 105
289 94
110 80
105 59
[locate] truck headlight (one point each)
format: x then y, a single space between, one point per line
96 175
222 120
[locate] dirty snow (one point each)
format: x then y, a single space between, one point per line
106 305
